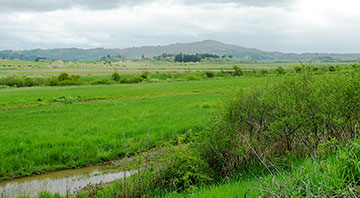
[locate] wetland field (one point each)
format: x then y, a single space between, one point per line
224 130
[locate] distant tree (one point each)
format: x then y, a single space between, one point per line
179 58
38 59
238 71
63 76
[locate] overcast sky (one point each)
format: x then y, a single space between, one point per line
271 25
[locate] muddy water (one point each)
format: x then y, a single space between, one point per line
62 182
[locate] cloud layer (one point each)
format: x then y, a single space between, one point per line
288 26
49 5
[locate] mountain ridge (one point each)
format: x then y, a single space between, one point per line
205 46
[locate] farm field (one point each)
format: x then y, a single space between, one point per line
84 68
45 128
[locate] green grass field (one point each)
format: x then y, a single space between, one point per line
50 128
83 68
47 128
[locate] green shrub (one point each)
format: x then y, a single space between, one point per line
190 77
52 81
12 81
135 79
185 169
238 71
145 75
263 72
29 82
293 115
280 70
69 80
298 69
176 167
332 68
102 81
63 76
210 74
115 76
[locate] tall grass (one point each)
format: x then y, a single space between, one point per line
337 175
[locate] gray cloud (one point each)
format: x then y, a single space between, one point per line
287 26
49 5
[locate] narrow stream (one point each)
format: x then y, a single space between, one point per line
62 182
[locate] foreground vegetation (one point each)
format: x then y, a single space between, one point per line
292 138
278 136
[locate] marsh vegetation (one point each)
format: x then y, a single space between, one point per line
266 132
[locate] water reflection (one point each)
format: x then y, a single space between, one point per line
61 182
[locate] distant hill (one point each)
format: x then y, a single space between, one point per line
207 46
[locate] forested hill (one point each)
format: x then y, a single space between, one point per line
207 46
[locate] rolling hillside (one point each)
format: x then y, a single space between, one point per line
206 46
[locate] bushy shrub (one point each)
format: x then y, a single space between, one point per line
102 81
135 79
332 68
173 167
145 75
294 115
185 169
29 82
12 81
210 74
64 79
280 70
298 69
263 72
63 76
115 76
52 81
238 71
70 80
190 77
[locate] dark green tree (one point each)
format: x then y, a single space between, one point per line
238 71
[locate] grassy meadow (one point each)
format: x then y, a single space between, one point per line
49 128
222 135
